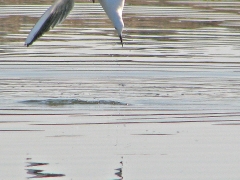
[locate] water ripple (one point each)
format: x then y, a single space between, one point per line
62 102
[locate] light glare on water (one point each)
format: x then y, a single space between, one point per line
76 105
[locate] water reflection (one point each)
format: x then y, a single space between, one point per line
119 171
37 173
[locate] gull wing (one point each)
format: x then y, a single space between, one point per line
53 16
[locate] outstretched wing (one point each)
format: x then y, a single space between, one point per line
53 16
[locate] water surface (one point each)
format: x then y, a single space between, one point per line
77 105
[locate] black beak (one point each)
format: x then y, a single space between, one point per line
121 40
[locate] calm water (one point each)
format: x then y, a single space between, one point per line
76 105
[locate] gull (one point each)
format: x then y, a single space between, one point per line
58 12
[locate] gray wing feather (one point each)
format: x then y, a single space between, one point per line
53 16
